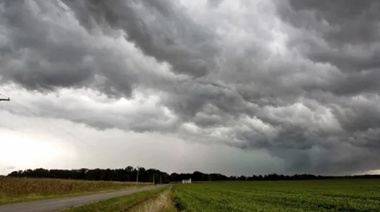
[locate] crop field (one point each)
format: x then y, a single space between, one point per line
312 195
26 189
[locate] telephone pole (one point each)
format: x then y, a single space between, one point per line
137 177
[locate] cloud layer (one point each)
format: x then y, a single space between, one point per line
298 79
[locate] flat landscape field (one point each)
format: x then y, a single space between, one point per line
28 189
311 195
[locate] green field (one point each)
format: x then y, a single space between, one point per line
313 195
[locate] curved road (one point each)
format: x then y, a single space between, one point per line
68 202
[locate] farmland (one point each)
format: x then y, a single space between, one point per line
303 195
313 195
27 189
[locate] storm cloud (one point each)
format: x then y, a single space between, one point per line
298 79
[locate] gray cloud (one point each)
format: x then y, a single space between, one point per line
45 55
214 3
35 59
295 78
164 31
344 34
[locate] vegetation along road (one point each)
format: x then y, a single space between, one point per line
67 202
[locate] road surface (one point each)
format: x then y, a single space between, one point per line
68 202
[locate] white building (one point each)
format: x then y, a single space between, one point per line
186 181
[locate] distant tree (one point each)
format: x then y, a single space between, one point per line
174 177
129 174
197 176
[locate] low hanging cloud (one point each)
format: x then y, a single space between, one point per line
298 79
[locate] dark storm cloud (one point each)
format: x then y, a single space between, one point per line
164 31
343 33
296 78
353 21
29 41
44 54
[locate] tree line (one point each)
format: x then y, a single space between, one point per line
156 176
127 174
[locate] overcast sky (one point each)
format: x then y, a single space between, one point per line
230 86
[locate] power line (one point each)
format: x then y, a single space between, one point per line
5 99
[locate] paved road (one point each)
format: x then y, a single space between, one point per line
67 202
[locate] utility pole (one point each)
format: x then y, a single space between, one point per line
137 177
154 179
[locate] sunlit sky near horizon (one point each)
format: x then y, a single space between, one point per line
230 86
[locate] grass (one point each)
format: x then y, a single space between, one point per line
313 195
28 189
151 200
162 203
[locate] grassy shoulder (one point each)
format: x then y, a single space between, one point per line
29 189
164 202
159 199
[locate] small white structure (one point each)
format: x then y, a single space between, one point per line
186 181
